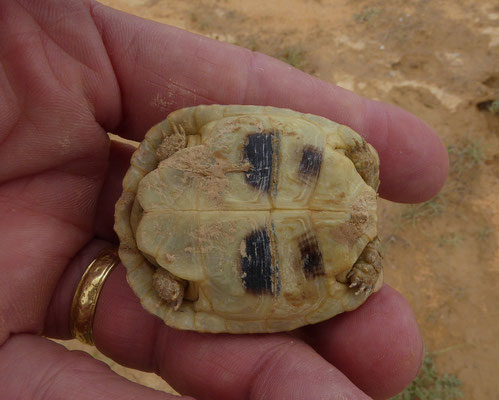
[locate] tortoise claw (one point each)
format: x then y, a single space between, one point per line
365 271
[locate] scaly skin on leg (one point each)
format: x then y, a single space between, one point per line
365 272
366 162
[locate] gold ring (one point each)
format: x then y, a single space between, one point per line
87 293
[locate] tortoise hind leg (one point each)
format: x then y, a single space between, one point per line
366 162
169 288
366 271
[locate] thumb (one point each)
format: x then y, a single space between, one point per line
33 367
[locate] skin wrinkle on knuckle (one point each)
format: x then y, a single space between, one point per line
156 351
110 123
54 376
252 71
264 368
49 380
9 97
381 135
10 354
8 132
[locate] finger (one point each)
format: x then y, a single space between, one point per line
380 357
161 69
35 368
214 366
228 365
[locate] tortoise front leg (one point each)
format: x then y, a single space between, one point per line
366 270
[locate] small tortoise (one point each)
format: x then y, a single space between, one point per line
248 219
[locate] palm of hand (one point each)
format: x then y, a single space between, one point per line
54 154
61 89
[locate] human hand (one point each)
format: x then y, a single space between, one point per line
71 71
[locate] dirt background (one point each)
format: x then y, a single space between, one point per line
440 60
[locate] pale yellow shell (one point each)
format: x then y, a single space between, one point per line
187 207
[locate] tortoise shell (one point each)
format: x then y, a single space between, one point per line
248 219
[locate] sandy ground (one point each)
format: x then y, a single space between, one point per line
437 59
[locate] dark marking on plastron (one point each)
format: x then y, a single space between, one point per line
276 271
311 256
276 163
259 271
311 161
259 152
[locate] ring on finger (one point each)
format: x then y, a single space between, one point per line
87 294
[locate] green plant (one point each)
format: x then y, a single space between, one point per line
251 43
485 233
430 385
415 212
494 107
450 239
294 56
465 156
367 14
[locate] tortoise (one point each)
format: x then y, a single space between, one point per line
248 219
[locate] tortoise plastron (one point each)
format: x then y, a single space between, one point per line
250 219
